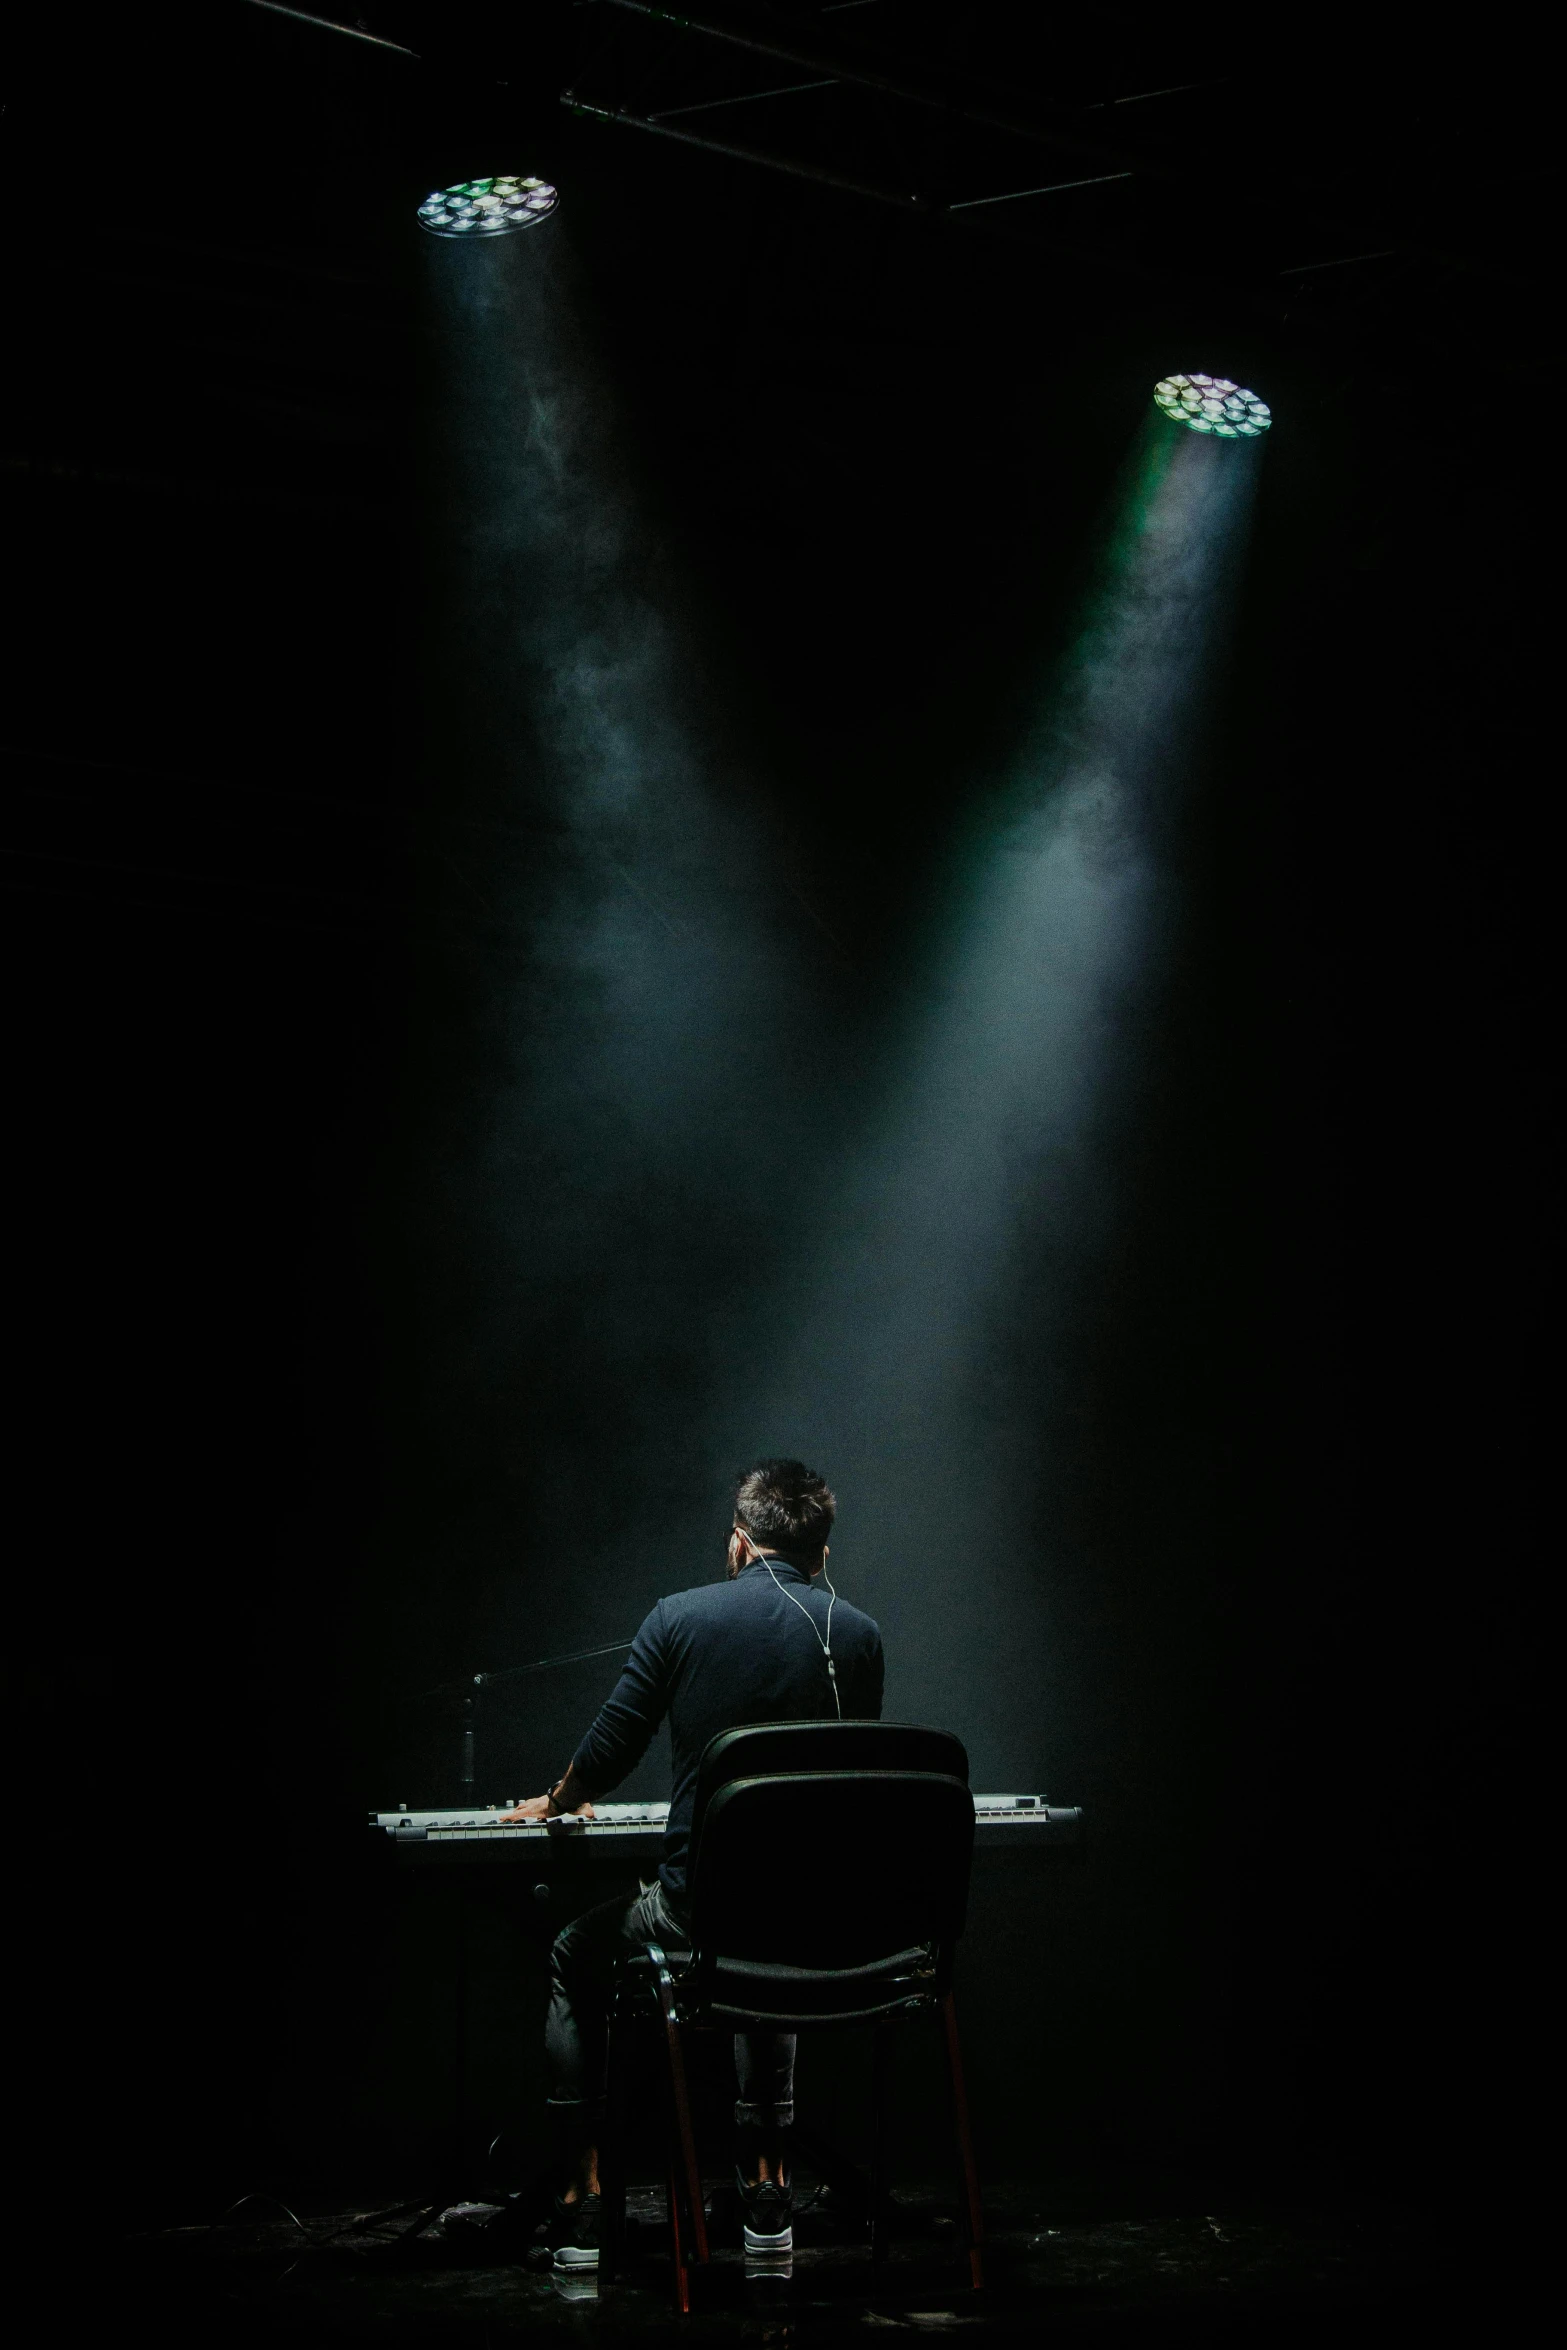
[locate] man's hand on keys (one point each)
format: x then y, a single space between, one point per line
566 1797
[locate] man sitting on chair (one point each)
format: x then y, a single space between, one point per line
770 1645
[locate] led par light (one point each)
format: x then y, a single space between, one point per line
1211 403
487 208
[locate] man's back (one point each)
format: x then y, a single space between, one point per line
767 1646
750 1650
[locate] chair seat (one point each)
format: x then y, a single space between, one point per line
757 1995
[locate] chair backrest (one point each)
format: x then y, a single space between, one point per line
760 1749
826 1850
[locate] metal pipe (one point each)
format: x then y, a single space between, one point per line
1101 179
972 218
917 205
329 24
745 98
809 61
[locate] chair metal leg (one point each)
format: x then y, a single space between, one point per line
677 2239
974 2228
686 2172
881 2147
612 2150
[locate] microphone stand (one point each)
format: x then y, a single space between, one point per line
469 1691
467 1694
468 1716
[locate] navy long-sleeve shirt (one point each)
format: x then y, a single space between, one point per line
716 1658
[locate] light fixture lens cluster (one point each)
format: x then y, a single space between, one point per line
486 208
1211 403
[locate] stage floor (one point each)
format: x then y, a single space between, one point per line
1171 2276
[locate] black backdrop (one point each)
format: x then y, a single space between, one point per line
244 1030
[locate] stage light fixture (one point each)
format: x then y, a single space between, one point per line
487 208
1211 403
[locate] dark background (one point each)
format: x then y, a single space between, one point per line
258 1489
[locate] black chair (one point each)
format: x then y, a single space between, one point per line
828 1887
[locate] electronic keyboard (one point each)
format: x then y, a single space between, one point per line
634 1826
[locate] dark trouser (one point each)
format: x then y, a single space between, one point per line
576 2035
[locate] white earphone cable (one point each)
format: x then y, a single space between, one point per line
824 1645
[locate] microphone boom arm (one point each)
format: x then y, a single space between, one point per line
544 1664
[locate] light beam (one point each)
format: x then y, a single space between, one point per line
925 1350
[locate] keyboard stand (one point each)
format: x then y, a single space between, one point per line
429 2209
